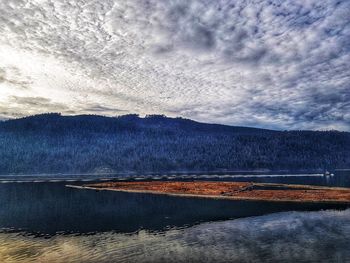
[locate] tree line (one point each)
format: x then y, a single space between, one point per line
51 143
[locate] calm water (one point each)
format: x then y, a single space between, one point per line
48 222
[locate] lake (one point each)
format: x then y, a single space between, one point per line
41 220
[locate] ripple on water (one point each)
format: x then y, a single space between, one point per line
283 237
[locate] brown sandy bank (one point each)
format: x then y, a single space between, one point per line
232 190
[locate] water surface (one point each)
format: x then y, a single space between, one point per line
48 222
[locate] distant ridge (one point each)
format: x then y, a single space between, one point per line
124 121
52 143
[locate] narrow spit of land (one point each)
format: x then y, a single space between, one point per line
232 190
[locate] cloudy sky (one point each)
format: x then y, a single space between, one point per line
275 64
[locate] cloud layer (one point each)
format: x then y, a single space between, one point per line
277 64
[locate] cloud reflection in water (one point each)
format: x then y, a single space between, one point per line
282 237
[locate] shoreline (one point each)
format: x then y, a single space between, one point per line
293 194
174 173
86 178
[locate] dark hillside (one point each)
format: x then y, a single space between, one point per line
51 143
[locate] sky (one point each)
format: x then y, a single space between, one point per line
272 64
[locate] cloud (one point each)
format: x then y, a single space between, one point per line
15 105
12 76
35 102
259 63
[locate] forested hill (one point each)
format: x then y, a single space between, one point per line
51 143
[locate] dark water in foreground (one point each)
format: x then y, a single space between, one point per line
48 222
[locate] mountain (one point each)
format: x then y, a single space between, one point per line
52 143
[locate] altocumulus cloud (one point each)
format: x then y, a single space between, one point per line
277 64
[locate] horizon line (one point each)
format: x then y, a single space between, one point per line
145 116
